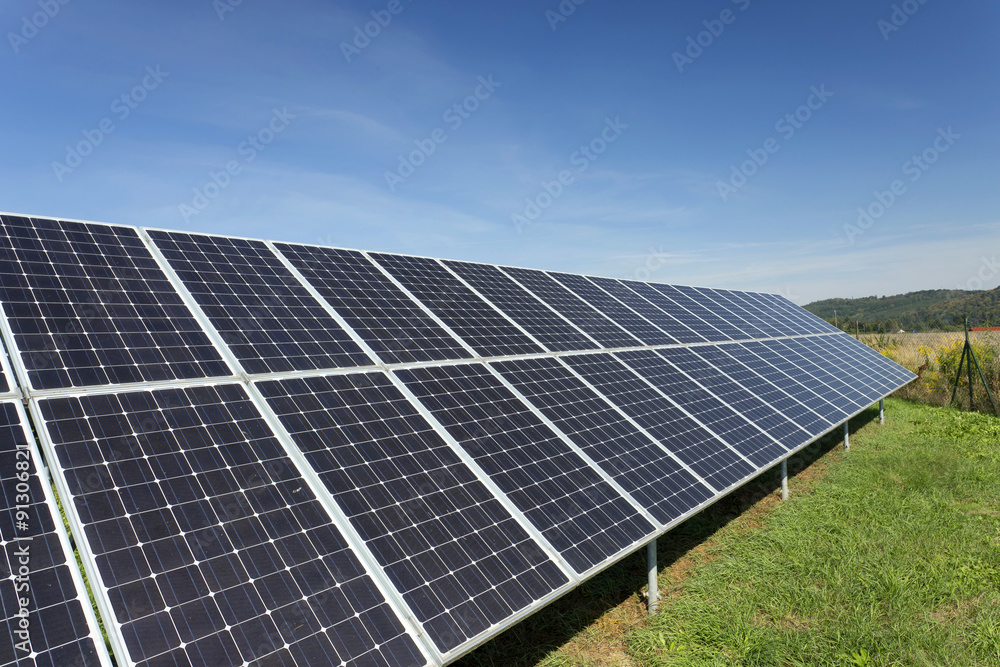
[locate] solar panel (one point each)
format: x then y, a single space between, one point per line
690 328
687 299
48 620
573 308
768 360
730 308
775 390
263 314
737 397
546 326
852 399
645 306
776 322
582 516
613 309
460 560
465 313
645 469
88 305
742 434
410 456
710 458
205 540
388 320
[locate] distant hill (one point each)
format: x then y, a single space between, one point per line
922 311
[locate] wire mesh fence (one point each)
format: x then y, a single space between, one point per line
935 358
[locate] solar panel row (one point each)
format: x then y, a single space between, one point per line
522 430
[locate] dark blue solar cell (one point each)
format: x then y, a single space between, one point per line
695 315
268 319
88 305
572 506
40 564
737 397
709 457
715 415
610 306
544 324
435 529
211 547
465 313
389 321
643 467
771 387
654 307
573 308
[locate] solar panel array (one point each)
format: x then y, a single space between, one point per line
280 454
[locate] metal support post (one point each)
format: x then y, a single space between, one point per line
847 437
653 592
784 479
881 411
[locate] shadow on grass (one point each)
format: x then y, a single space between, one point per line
530 641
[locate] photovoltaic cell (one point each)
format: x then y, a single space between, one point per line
471 318
890 373
770 387
769 361
388 320
808 322
6 386
614 309
701 302
670 325
737 397
459 559
777 323
88 305
263 314
573 308
706 408
733 311
806 359
641 466
710 458
551 330
688 299
847 368
211 547
689 328
33 538
580 514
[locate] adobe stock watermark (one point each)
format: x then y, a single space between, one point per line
562 12
989 268
914 168
248 149
581 158
223 7
455 115
786 126
655 260
363 36
696 44
30 25
122 107
900 15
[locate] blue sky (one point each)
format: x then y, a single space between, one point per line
122 112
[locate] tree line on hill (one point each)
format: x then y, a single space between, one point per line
928 310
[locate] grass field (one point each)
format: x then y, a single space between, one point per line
886 555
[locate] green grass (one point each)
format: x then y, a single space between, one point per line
893 560
886 555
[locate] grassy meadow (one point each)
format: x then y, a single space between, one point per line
885 555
